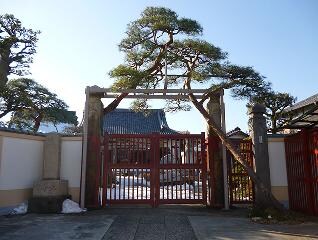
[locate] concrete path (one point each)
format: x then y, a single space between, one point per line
147 223
54 226
209 227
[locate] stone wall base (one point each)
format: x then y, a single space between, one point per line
50 188
46 204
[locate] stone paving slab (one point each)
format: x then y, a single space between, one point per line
54 227
211 227
150 231
154 227
123 228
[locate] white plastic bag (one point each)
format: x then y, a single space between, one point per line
21 209
70 206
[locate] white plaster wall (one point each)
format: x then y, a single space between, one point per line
71 161
20 163
277 161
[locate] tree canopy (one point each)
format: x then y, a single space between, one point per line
146 45
17 47
160 41
30 104
13 97
160 38
275 103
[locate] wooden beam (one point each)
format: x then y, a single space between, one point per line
185 75
106 91
154 96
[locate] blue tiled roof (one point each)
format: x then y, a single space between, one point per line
126 121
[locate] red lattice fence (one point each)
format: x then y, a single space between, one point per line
241 187
302 170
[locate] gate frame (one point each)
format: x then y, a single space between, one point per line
94 107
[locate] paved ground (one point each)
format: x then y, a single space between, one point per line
147 223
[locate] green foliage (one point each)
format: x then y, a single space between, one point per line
205 52
22 120
31 104
275 103
156 25
174 105
128 78
73 130
15 96
60 115
159 39
197 59
17 46
145 47
140 105
245 82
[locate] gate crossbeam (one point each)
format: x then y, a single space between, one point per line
147 93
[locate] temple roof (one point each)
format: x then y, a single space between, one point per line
126 121
236 133
304 113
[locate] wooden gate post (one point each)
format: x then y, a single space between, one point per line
90 174
215 157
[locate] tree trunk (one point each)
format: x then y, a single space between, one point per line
4 68
37 122
114 104
237 156
274 126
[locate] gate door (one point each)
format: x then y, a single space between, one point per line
241 187
181 169
154 169
128 169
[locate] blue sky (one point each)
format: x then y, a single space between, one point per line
78 44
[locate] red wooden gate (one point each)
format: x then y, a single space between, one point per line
241 187
302 170
153 169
